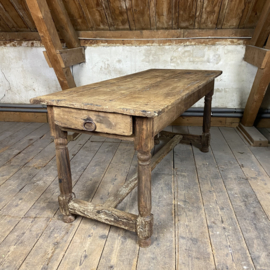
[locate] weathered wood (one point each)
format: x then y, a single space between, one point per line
104 122
210 12
262 29
191 233
122 192
62 19
256 56
103 214
50 39
144 142
70 57
161 121
169 89
207 121
64 171
256 96
47 59
253 136
187 13
229 245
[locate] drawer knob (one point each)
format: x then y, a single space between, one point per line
89 125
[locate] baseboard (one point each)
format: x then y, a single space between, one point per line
23 117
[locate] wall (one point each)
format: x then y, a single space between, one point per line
24 72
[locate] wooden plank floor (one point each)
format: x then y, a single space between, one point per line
211 210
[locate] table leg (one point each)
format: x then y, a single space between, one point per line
207 122
64 174
144 142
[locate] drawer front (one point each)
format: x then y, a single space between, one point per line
104 122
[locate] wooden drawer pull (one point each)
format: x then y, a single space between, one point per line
90 125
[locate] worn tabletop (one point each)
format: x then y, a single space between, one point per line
148 93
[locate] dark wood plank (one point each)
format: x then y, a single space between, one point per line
255 14
119 16
141 13
12 12
234 13
163 13
210 12
22 9
97 14
76 14
262 29
187 13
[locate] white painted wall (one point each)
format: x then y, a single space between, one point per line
24 72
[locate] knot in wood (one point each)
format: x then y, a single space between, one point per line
144 158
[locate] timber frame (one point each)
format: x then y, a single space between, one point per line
57 57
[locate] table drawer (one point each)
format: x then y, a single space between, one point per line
104 122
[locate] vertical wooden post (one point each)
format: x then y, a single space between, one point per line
207 121
256 95
144 142
63 167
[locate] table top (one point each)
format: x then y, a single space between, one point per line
148 93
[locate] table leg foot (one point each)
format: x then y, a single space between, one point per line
205 140
68 219
144 243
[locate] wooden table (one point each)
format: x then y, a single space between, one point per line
137 108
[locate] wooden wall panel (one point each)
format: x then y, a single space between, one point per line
75 14
119 15
141 11
164 14
97 14
187 13
234 13
210 13
255 13
22 9
10 11
94 15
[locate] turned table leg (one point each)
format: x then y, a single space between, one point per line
144 143
207 122
63 167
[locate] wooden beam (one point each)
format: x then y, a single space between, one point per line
253 136
167 34
103 214
256 95
122 192
63 22
70 57
47 59
257 56
262 29
50 39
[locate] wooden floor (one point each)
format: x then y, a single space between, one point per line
214 208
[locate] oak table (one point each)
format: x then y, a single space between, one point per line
137 108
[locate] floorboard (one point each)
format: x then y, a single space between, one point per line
211 210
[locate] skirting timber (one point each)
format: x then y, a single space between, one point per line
140 38
253 136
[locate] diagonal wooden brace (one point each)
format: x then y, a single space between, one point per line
121 194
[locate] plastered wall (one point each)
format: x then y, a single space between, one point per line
24 72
